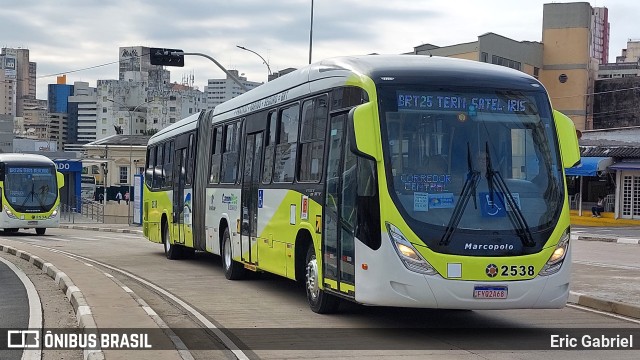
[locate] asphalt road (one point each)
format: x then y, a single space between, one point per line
269 314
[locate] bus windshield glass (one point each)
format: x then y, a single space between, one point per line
462 158
30 189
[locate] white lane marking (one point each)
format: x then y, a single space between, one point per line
239 354
614 266
35 307
50 238
620 317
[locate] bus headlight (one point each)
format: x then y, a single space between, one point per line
556 259
9 213
410 257
54 213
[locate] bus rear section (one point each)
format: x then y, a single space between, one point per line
30 194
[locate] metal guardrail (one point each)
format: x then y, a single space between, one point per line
84 209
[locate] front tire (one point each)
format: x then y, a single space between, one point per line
319 301
39 231
233 270
171 251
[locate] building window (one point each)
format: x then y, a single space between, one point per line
172 108
536 72
124 175
498 60
484 57
104 109
104 131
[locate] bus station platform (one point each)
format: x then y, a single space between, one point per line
607 219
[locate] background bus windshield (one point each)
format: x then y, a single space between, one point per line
437 142
31 189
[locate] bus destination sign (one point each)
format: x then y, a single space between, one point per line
455 102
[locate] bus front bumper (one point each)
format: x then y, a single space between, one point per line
390 283
10 223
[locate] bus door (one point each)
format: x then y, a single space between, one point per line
339 220
249 197
179 180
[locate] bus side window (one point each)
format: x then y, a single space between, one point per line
230 156
151 159
216 156
312 132
285 158
158 179
168 164
191 159
267 172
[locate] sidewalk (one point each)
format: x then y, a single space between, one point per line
119 228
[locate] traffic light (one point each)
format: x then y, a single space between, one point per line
166 57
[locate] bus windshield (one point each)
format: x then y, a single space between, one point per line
30 189
476 160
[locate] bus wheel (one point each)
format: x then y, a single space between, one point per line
233 270
39 231
171 251
319 301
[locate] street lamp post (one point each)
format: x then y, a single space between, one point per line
260 56
130 177
311 33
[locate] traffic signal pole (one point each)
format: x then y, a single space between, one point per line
175 57
219 65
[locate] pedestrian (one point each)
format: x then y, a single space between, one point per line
101 198
598 208
119 197
126 197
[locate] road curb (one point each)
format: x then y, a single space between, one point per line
617 240
74 295
97 228
614 307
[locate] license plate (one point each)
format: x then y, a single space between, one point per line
490 292
32 222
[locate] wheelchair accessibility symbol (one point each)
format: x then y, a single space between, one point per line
492 208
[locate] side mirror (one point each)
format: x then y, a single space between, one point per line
363 131
60 178
568 139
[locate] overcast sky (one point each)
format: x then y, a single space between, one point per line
67 35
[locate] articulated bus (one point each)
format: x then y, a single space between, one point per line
30 186
407 181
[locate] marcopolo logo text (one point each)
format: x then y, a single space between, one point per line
496 247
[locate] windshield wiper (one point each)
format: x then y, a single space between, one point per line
468 190
515 215
34 195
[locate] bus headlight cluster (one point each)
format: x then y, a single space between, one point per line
410 257
9 213
557 257
55 212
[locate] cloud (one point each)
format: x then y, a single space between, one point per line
66 35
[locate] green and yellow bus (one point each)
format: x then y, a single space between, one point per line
30 186
403 180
